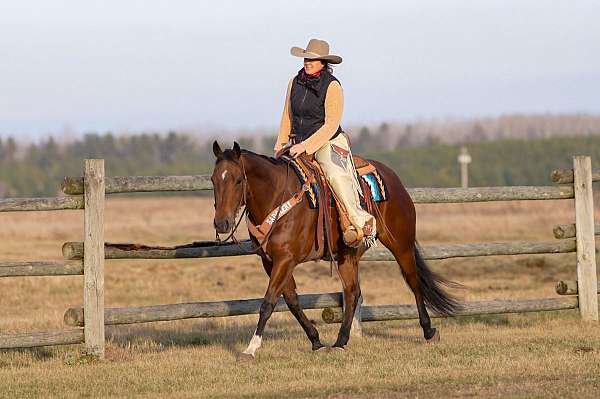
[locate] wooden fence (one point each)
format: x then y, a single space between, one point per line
87 258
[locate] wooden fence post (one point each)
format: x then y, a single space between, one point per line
586 245
93 257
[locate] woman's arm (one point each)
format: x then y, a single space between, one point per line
334 107
285 127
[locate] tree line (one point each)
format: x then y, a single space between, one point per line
36 169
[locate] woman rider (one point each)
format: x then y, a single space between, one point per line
311 124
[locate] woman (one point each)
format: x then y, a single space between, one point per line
311 124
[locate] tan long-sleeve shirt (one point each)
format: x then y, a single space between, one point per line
334 107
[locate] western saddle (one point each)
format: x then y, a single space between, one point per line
325 222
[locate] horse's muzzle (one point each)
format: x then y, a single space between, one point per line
223 226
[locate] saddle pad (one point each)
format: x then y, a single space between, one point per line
377 186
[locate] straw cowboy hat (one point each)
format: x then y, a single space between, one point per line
316 50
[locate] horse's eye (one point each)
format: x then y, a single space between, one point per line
238 182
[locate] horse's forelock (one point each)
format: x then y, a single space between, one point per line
230 155
227 155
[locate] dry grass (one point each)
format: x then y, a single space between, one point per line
548 354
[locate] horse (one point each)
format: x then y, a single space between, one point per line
244 178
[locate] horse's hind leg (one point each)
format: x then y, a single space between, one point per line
408 266
291 299
348 271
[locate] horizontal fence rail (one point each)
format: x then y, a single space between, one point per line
569 287
44 338
566 176
40 204
405 312
139 184
74 250
568 230
485 194
131 184
23 268
146 314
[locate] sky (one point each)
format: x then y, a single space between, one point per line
152 65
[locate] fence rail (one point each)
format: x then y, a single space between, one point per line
404 312
40 204
146 314
74 250
139 184
45 338
566 176
21 269
133 184
568 230
570 287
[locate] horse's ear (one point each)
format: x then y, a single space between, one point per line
236 149
217 150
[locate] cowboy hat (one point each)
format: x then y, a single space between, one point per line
316 50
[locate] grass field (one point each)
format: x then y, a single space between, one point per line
534 355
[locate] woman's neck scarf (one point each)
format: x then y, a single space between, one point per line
310 81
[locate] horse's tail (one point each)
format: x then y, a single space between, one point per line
431 284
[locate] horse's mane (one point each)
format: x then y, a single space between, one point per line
274 161
229 155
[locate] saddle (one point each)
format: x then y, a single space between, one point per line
310 173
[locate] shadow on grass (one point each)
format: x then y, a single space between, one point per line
234 336
148 338
512 320
24 357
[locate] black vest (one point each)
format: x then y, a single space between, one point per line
307 101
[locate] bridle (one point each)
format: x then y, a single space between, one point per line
243 202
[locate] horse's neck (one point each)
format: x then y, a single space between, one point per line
266 182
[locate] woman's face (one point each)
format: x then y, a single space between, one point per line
312 66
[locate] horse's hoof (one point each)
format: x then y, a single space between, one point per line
245 358
338 348
435 338
321 348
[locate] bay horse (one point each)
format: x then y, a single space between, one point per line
241 177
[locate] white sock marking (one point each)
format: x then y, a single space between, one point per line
255 343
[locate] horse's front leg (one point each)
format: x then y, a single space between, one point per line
280 273
291 299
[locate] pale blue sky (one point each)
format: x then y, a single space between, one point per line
141 65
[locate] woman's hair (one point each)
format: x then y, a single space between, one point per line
327 66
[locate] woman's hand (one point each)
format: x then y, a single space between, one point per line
297 150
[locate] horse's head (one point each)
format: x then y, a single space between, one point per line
228 181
